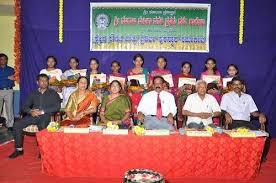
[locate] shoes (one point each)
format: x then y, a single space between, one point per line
15 154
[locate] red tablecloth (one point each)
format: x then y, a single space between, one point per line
174 156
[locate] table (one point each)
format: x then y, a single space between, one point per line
174 156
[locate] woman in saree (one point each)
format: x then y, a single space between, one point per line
70 74
81 104
136 96
181 93
116 107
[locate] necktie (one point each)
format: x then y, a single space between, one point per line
159 108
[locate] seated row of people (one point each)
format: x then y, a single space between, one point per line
156 110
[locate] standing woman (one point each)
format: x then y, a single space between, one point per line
181 93
70 74
210 69
135 96
54 74
161 62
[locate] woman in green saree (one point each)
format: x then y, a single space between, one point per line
116 107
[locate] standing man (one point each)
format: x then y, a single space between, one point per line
6 90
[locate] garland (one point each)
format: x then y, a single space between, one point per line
17 40
60 21
241 25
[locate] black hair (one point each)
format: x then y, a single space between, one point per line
75 58
88 82
215 62
138 55
235 66
42 76
158 77
237 78
184 63
4 55
54 58
115 61
95 59
162 57
116 81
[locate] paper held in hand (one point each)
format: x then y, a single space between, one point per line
140 77
122 80
182 81
225 81
168 78
82 72
101 78
210 79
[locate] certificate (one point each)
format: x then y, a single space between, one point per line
82 72
210 79
140 77
188 81
168 78
122 80
100 78
225 81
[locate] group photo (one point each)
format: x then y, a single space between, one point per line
137 91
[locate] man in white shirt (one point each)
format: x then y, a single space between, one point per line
157 108
237 107
200 107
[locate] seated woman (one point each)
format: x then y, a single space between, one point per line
82 103
116 107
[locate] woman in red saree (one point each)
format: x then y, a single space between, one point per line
82 103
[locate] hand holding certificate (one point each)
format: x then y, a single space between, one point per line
140 77
189 81
211 78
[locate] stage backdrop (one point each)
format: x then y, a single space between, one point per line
256 58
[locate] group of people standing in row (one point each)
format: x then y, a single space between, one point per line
155 103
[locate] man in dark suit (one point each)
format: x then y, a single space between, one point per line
39 107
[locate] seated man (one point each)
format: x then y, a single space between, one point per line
200 107
39 106
238 107
157 108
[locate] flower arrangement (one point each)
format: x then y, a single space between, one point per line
111 126
60 21
241 23
17 40
139 130
53 127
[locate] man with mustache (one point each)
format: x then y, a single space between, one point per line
157 108
238 107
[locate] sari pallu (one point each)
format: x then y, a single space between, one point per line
77 105
116 109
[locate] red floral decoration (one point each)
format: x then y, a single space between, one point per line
17 40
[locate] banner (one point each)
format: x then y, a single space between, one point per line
174 27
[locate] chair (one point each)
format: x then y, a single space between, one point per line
32 129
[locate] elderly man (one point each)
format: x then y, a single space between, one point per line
200 107
237 107
157 108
